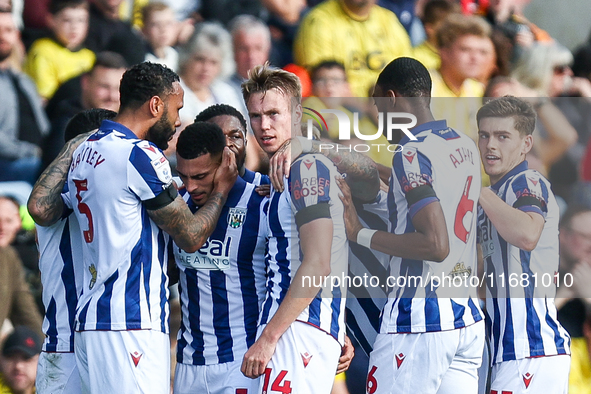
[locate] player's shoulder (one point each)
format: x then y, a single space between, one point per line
313 161
147 148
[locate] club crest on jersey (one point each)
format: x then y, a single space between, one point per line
93 273
306 357
460 270
236 217
527 379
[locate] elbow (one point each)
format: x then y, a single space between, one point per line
39 215
440 253
439 249
527 243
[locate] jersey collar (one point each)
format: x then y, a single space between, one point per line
516 170
110 125
432 125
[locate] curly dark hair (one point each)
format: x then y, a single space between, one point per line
219 110
143 81
406 77
199 139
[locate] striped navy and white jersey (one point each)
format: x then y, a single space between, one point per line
60 255
365 303
222 285
125 283
521 316
441 165
255 178
310 193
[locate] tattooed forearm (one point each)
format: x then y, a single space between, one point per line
189 231
45 204
362 172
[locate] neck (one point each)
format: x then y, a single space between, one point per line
357 12
241 170
202 92
160 52
452 79
133 123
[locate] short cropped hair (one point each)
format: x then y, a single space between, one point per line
264 78
144 81
200 138
327 65
151 8
219 110
458 25
109 59
86 121
406 77
437 10
55 6
509 106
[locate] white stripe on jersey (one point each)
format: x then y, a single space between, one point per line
311 181
60 256
522 318
256 178
220 308
448 161
364 304
125 285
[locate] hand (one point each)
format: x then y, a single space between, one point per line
279 164
263 190
257 357
525 38
352 223
347 353
579 87
226 174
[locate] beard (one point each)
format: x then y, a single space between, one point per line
161 132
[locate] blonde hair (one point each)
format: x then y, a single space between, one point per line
264 78
209 36
535 66
458 25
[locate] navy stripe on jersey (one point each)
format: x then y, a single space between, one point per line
68 279
220 308
162 257
51 316
103 318
142 163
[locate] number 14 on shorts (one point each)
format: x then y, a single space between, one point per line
279 385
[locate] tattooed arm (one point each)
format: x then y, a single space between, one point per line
190 231
362 172
45 203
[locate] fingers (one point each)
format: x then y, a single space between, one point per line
263 190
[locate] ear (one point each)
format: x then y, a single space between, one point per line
528 143
156 106
297 114
391 98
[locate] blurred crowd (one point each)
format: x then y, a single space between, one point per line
58 57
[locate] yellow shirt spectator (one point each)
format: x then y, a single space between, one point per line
363 45
50 64
428 55
579 380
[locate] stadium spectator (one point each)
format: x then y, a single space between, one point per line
433 16
464 46
251 40
462 42
160 29
52 61
17 303
579 381
557 136
99 88
107 32
205 61
22 119
18 361
359 34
